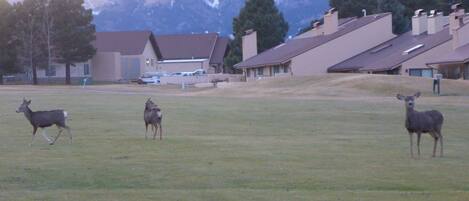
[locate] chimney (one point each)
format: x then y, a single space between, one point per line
435 22
249 44
457 27
456 18
331 21
419 22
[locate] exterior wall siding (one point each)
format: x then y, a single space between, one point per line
107 67
421 60
183 67
75 71
318 60
148 53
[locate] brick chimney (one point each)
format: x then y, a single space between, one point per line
419 22
458 29
331 21
249 44
456 18
436 22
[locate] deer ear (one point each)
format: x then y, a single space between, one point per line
417 94
28 102
399 97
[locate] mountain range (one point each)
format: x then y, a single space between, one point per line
192 16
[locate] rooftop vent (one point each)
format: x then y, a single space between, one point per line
413 49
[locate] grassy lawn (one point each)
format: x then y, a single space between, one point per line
228 148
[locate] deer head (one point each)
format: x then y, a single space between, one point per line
24 106
409 100
150 104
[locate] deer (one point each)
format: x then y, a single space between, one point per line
153 116
45 119
430 122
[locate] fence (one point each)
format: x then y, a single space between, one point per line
190 80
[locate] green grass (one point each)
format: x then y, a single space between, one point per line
220 148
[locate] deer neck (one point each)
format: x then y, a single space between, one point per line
28 114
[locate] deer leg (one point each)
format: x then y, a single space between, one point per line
44 134
58 135
34 135
419 135
411 145
161 132
435 141
441 145
146 131
155 132
69 132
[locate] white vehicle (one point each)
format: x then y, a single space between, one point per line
151 78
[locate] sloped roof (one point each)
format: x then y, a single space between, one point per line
190 46
295 47
458 56
220 51
390 55
125 42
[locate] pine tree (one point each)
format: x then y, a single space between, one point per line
73 33
264 17
7 45
400 22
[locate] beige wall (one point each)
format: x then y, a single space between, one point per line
318 60
107 66
183 66
148 53
421 60
461 36
75 71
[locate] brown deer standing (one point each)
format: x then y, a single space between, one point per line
429 122
44 119
153 117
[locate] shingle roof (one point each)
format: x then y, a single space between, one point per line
191 46
125 42
458 56
390 54
295 47
220 51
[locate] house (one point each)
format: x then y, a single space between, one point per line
119 56
188 52
406 54
319 49
455 63
124 55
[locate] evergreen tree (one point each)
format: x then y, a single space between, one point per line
264 17
7 45
73 33
400 22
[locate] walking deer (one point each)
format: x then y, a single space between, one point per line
429 122
153 117
44 119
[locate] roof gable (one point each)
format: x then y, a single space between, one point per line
127 43
188 46
295 47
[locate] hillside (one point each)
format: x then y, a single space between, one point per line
340 85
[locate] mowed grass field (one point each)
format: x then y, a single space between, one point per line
222 147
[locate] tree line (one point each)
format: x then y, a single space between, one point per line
34 34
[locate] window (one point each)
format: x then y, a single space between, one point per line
86 69
421 72
466 71
51 71
276 69
248 73
285 69
260 71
